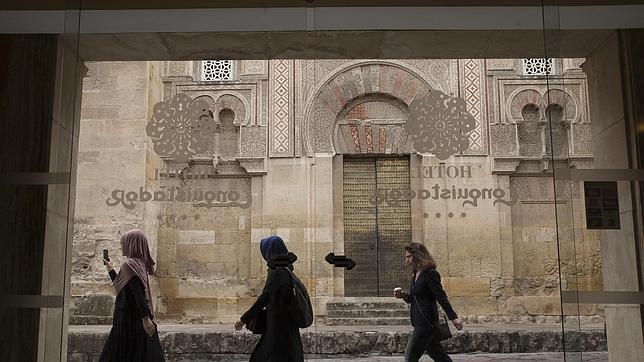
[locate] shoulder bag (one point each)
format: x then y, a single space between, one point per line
440 329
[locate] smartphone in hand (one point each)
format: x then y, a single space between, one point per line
105 255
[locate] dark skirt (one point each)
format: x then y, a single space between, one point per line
282 346
129 342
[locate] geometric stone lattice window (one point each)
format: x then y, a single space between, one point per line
538 66
217 70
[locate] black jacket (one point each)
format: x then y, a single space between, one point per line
427 290
127 340
281 342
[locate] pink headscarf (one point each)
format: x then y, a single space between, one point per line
138 263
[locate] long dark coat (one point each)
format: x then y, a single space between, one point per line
281 342
127 340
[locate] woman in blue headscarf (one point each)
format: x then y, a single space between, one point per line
281 341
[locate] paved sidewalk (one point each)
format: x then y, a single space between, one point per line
488 357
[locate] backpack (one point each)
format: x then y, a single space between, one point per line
299 306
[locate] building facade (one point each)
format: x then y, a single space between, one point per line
208 157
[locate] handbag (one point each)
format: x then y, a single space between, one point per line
257 325
440 329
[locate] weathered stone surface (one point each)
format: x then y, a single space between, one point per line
474 287
492 257
216 345
94 304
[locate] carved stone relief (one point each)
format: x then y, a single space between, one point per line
281 110
542 189
573 64
501 64
503 140
232 108
253 67
372 124
178 69
548 119
353 82
472 90
518 103
236 105
530 141
582 139
436 72
229 136
321 122
241 98
253 142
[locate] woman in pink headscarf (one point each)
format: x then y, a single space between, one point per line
133 336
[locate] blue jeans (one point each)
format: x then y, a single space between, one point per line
421 340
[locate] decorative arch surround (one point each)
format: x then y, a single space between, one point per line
372 124
523 99
236 105
564 100
541 98
348 85
209 100
526 128
247 146
530 113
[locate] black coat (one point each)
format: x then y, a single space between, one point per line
427 290
127 340
281 342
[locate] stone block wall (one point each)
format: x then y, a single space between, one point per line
112 157
497 256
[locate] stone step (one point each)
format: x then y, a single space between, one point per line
383 321
370 305
206 343
89 320
367 313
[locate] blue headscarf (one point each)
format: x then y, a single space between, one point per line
272 246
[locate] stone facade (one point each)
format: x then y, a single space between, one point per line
210 343
274 164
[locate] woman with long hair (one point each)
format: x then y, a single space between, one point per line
424 291
280 342
134 334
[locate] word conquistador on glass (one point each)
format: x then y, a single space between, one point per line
471 196
208 198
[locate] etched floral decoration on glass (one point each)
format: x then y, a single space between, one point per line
439 124
181 128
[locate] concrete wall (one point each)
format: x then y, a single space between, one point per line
33 132
623 322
